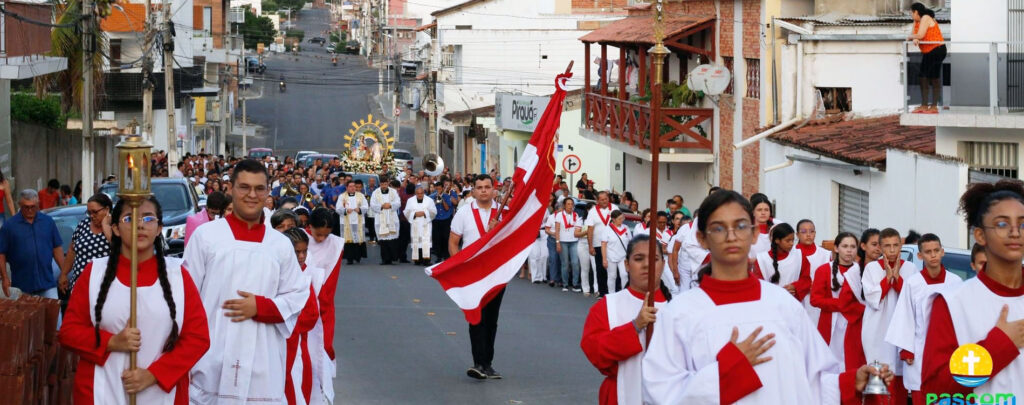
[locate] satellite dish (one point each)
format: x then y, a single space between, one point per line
711 79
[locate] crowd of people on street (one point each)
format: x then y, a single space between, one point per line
749 308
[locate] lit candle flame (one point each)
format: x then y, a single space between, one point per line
131 162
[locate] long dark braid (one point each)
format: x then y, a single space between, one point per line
779 232
108 275
161 271
775 263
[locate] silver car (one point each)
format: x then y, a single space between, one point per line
403 158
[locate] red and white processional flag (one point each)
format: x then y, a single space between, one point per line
479 271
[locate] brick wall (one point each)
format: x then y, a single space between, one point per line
28 39
725 34
752 153
217 12
725 128
751 28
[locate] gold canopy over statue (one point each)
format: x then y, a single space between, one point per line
367 147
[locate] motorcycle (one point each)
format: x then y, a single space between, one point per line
334 60
282 86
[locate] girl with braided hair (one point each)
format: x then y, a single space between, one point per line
170 315
825 288
783 265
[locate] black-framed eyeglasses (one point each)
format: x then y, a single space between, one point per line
94 212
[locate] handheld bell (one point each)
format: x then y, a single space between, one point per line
876 386
433 165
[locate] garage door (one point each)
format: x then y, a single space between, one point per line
853 209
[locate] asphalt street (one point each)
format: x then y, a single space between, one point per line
321 100
401 340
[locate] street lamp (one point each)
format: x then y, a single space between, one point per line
133 163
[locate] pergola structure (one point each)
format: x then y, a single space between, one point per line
609 112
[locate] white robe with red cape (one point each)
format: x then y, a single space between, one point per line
246 360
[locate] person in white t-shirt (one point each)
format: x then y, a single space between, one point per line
597 220
568 227
614 238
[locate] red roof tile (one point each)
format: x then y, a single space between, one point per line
640 29
860 141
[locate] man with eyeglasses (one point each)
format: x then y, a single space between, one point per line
253 289
29 241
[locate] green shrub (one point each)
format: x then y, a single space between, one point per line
45 111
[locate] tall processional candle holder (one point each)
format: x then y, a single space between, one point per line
133 187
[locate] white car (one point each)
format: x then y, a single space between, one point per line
304 153
403 158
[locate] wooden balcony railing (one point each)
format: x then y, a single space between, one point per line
630 123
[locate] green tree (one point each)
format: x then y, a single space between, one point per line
257 29
67 42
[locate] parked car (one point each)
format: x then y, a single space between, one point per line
957 261
304 153
178 200
67 218
259 153
403 158
309 159
317 40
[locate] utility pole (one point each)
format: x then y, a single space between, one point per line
147 77
88 138
245 74
172 145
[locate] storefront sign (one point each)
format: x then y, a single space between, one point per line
518 112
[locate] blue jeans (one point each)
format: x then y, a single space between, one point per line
554 268
570 264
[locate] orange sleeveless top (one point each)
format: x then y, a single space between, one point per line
933 34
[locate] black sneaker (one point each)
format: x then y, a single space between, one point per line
491 374
476 372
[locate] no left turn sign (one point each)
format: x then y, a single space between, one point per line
572 164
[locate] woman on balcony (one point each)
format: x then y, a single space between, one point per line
926 30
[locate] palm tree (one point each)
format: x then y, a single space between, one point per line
67 42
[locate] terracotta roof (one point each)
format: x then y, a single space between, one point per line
426 27
456 7
133 18
860 141
640 29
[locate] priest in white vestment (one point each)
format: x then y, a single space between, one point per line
420 210
253 290
352 208
385 204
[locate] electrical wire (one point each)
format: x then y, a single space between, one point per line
21 18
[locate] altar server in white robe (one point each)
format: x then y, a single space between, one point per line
882 282
385 204
614 334
538 259
326 251
826 290
664 237
763 220
614 239
170 334
642 227
737 339
352 208
420 210
909 324
253 290
987 310
783 265
304 359
815 255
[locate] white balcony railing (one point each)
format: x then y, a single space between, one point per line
983 77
